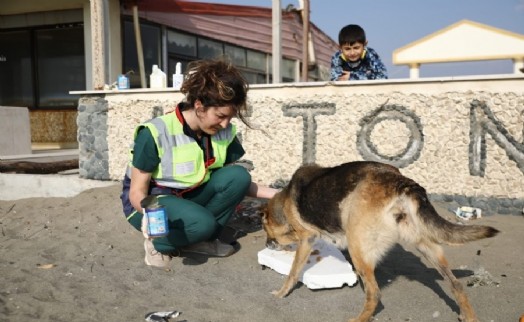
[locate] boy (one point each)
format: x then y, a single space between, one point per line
355 61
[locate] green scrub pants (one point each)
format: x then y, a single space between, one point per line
202 213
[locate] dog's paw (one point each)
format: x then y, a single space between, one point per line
463 318
279 293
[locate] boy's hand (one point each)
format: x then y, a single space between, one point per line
344 76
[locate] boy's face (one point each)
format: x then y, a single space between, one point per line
353 52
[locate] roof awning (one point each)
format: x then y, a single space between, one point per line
191 7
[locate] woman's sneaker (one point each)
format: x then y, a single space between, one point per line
213 248
154 257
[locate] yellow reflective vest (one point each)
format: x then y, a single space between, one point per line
182 161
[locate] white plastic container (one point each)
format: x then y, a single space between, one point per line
326 267
178 78
158 78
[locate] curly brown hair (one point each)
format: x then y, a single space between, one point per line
216 83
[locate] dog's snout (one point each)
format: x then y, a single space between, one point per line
272 244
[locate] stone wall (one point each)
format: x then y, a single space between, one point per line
462 139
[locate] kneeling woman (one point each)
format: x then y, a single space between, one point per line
184 156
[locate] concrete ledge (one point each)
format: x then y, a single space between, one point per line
43 156
21 186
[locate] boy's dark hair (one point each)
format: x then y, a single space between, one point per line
351 34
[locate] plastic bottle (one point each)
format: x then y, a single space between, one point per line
178 78
158 78
123 82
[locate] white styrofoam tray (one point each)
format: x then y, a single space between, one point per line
326 267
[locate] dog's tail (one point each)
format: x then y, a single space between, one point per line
438 229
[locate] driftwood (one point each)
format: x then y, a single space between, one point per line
37 167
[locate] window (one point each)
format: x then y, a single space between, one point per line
236 54
254 77
288 70
184 47
256 60
181 44
151 46
39 66
16 69
61 66
209 49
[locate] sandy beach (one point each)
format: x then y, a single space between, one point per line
77 259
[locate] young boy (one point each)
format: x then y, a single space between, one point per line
354 60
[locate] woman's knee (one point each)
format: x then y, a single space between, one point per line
239 175
202 229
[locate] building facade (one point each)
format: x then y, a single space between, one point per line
50 48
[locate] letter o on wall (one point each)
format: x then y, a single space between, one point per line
412 151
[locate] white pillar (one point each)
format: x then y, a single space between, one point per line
518 66
414 71
277 41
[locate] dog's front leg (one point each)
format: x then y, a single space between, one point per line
301 257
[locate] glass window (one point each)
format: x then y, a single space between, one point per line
16 69
61 65
254 78
151 45
209 49
288 69
256 60
181 44
236 54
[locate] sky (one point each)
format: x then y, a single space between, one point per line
392 24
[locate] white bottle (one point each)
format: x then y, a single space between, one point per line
178 78
158 78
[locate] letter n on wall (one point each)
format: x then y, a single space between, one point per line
482 122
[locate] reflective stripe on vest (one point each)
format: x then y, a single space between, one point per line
182 161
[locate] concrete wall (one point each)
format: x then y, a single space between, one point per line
14 131
461 138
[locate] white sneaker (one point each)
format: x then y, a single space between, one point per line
213 248
154 257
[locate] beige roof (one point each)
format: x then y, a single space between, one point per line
463 41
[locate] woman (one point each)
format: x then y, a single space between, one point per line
184 157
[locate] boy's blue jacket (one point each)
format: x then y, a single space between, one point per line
369 67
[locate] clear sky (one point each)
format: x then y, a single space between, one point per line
391 24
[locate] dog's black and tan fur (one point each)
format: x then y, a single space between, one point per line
366 207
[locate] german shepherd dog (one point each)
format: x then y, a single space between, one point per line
366 208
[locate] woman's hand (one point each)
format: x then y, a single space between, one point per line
259 191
